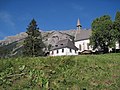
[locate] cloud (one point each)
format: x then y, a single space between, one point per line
7 18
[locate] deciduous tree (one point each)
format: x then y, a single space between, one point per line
116 26
103 34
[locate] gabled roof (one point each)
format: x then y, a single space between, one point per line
66 43
82 34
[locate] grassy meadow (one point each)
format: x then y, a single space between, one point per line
83 72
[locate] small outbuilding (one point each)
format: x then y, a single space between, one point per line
64 47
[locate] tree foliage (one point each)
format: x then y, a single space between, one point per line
117 18
33 44
116 26
103 34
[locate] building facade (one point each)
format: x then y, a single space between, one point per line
64 47
80 44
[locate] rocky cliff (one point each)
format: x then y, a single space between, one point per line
13 44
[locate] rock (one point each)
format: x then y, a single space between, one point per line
49 38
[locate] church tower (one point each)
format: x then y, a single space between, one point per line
78 25
77 32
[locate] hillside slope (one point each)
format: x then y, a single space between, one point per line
86 72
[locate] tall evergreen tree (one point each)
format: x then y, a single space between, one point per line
103 35
116 26
33 44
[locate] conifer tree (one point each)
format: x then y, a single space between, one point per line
33 44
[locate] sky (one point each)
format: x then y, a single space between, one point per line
15 15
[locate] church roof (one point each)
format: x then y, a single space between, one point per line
82 34
66 43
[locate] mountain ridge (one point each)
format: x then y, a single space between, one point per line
15 42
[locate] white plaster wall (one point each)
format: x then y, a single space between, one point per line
70 53
83 44
60 53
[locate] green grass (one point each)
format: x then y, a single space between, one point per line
85 72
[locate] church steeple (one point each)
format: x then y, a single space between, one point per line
78 25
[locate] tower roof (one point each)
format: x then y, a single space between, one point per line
78 23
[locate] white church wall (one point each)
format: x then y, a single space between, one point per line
83 45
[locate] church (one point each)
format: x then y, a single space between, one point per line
73 47
79 44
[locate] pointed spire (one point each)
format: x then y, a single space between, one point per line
78 22
78 25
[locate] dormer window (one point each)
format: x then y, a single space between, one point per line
56 45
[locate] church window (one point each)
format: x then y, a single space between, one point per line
80 47
52 52
75 51
88 46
